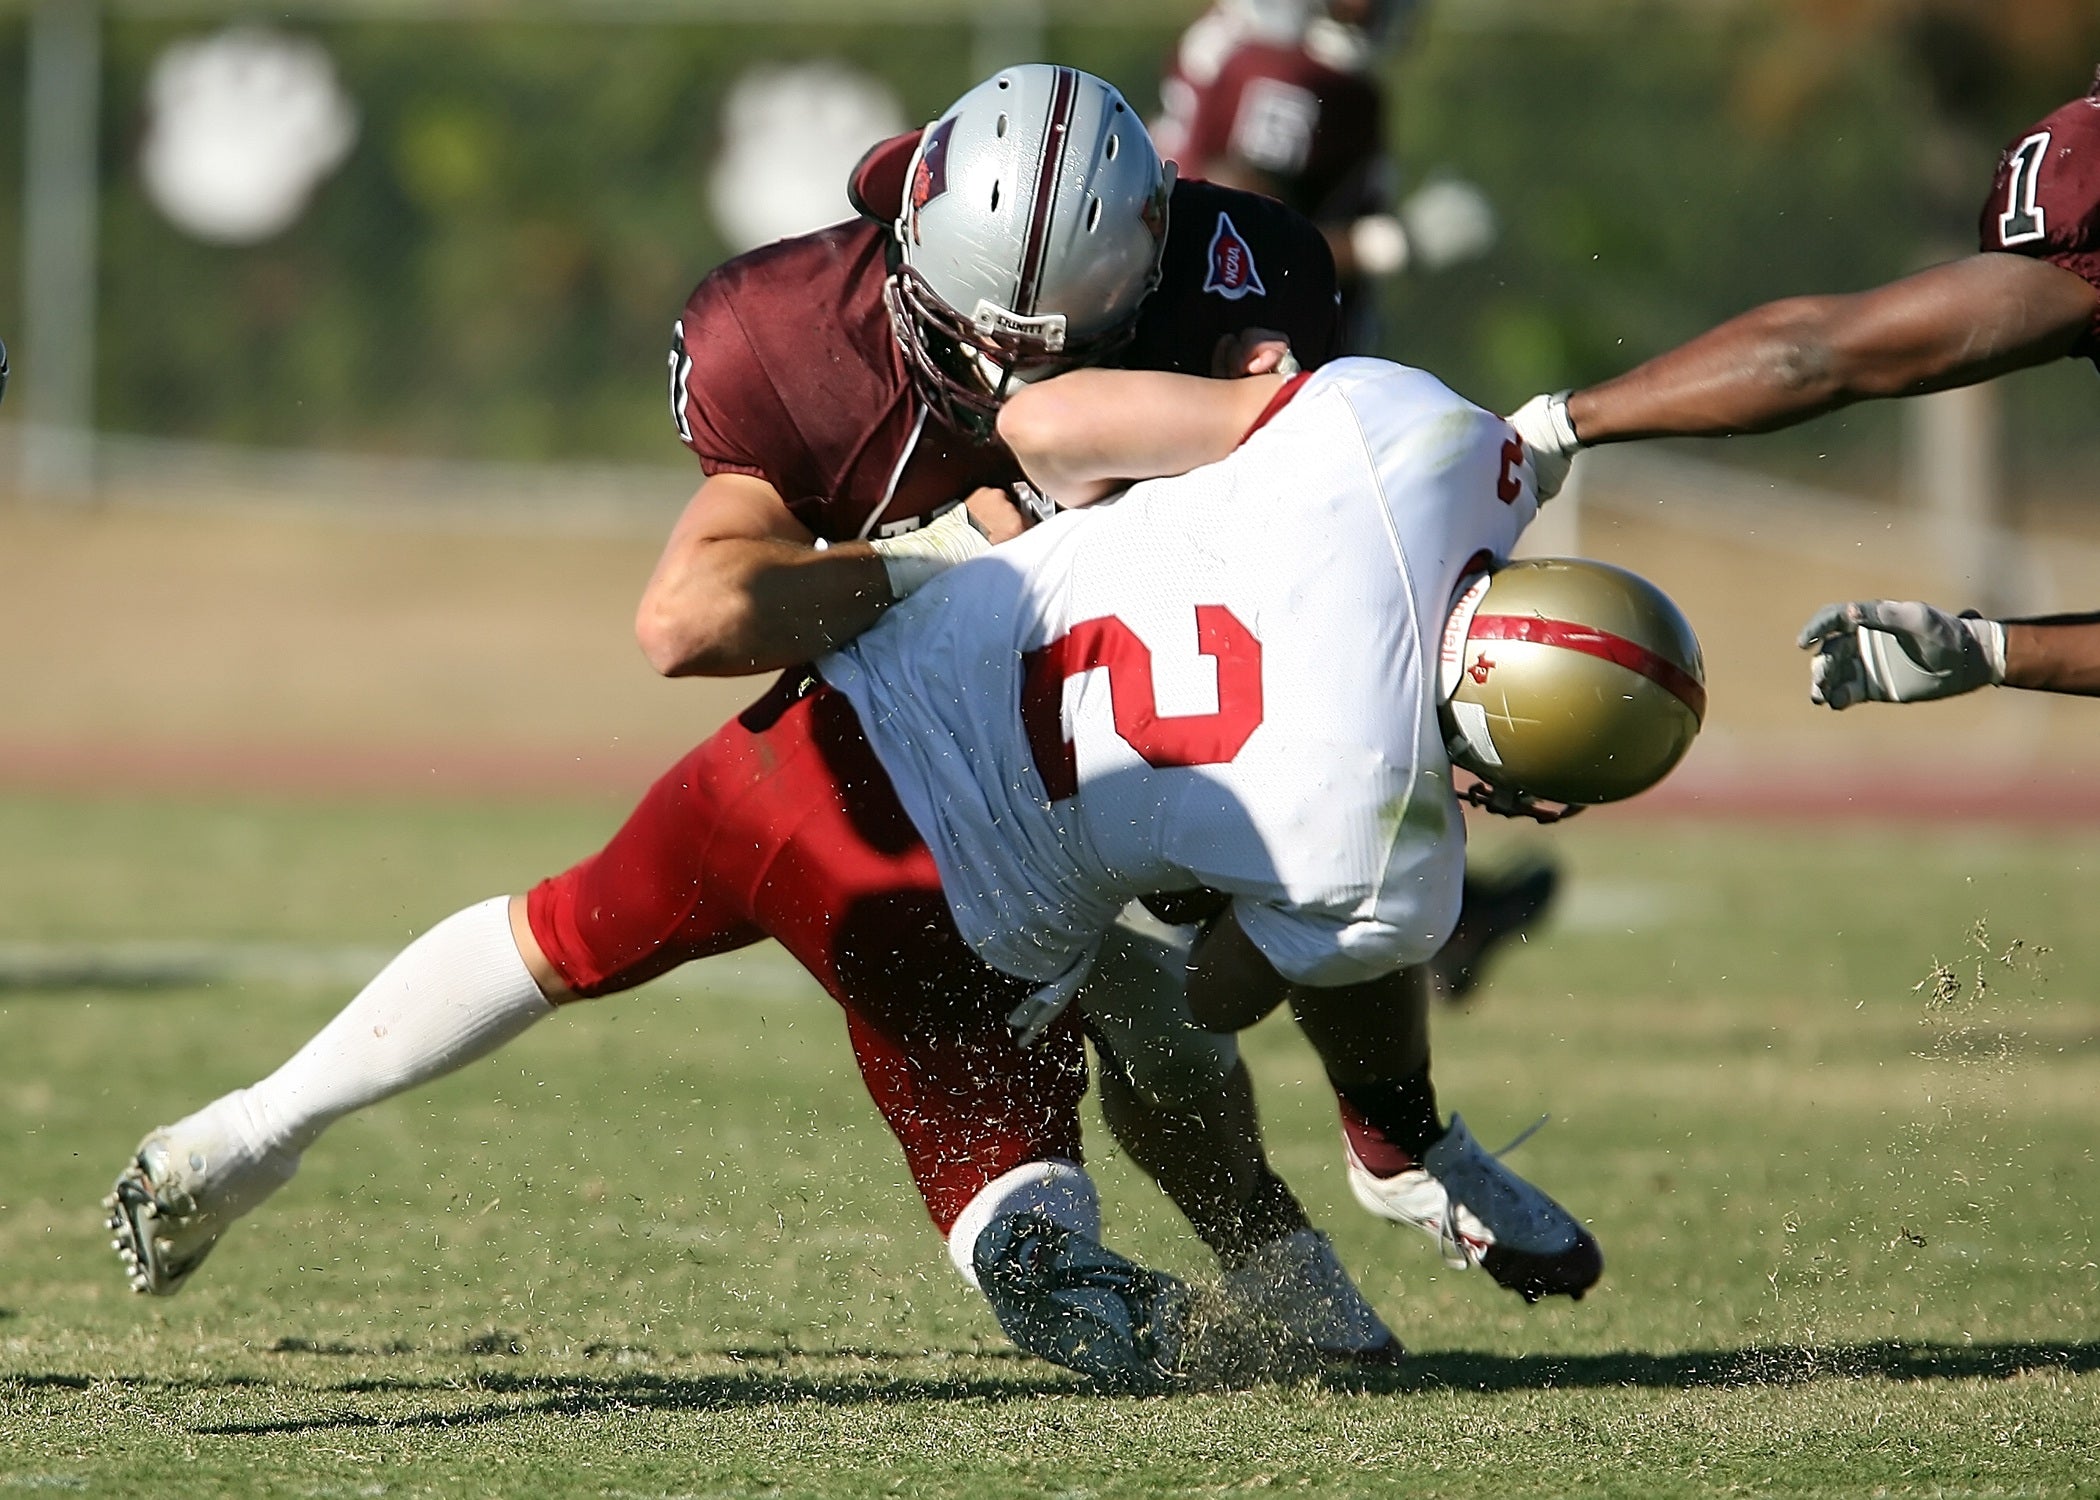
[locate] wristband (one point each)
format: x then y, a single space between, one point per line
917 557
1563 424
1990 637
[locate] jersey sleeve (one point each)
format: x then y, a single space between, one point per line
2045 199
724 405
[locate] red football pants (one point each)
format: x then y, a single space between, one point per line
784 825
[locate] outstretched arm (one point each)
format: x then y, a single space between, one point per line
1897 651
1085 435
1775 365
2060 654
741 586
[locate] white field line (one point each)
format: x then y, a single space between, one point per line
28 968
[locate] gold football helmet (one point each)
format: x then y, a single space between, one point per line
1568 681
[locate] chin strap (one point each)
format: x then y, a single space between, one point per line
1507 802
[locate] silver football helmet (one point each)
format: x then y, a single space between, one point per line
1568 681
1034 214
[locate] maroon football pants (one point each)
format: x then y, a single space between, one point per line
784 825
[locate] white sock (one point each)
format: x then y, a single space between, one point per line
1057 1189
455 994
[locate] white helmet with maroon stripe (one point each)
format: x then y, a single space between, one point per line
1034 213
1569 681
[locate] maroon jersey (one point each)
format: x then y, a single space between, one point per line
1316 131
2045 201
783 365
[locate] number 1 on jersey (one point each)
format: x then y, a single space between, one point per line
1182 740
2023 219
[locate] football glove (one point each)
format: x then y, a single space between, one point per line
1543 424
1890 651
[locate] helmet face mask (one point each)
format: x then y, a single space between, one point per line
1568 681
966 367
1032 227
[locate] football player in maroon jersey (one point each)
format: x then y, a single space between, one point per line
925 311
839 389
2031 294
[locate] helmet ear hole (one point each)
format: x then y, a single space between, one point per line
1114 147
1093 216
995 197
1000 130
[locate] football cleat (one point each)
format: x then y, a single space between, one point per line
1497 910
1297 1285
1065 1298
1482 1214
183 1189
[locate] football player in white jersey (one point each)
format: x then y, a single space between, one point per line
1232 682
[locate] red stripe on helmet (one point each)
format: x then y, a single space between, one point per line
1056 135
1601 644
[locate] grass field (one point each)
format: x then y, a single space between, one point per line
661 1246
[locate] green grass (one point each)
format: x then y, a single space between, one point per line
661 1246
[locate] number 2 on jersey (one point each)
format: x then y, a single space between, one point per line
1182 740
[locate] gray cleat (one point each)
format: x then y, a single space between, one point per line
1065 1298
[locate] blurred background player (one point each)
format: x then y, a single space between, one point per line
2030 295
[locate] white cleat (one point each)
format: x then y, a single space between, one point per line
1298 1285
1482 1214
185 1186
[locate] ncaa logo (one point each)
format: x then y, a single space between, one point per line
1232 274
929 178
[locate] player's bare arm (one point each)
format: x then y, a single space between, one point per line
1083 436
1952 325
2060 654
741 586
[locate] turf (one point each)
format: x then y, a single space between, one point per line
1825 1095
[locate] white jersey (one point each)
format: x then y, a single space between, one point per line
1224 679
